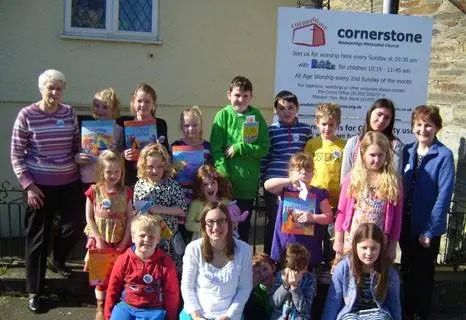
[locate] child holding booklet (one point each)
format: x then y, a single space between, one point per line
108 212
198 150
143 106
164 195
317 213
105 106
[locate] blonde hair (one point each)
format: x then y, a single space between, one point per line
110 98
300 160
146 222
155 150
328 110
388 187
110 156
144 87
191 112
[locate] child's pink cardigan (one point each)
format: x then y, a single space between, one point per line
346 208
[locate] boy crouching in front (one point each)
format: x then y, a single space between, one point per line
143 283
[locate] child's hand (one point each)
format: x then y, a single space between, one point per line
100 244
177 212
121 247
306 217
424 241
230 152
223 318
131 154
338 247
82 158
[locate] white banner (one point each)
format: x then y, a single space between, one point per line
354 59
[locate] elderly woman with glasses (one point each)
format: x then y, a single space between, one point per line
44 148
217 270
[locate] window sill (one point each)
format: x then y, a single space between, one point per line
109 39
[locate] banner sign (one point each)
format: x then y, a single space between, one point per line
353 59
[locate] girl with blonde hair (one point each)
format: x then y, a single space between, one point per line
370 193
162 195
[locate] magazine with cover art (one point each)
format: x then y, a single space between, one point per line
97 136
187 159
139 134
100 265
293 207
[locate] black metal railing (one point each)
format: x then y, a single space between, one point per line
12 212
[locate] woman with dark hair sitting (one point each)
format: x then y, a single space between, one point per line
217 269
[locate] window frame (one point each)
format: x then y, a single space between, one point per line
111 32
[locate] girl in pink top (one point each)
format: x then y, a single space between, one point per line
370 193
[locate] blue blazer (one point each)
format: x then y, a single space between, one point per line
343 292
433 188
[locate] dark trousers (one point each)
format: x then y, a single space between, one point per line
68 200
418 270
243 227
271 204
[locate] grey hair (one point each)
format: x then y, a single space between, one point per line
51 75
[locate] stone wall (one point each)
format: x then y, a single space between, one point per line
447 89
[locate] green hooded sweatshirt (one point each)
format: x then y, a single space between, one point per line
243 168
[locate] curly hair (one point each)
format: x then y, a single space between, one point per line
155 150
208 171
328 110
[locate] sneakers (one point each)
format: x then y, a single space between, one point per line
59 268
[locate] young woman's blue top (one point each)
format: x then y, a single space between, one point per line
429 188
343 293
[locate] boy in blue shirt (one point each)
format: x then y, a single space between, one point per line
287 136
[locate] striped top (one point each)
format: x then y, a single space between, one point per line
43 146
284 142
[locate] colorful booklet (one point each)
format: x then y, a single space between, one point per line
100 265
293 207
187 159
96 136
250 131
139 134
143 207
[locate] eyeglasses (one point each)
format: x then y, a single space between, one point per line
211 222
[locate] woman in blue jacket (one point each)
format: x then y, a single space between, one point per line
428 176
364 284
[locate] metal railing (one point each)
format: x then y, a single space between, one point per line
12 213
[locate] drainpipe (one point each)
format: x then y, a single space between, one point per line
391 6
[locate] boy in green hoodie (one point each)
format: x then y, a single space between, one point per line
239 139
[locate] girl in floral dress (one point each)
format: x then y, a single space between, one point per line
370 193
162 194
108 212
